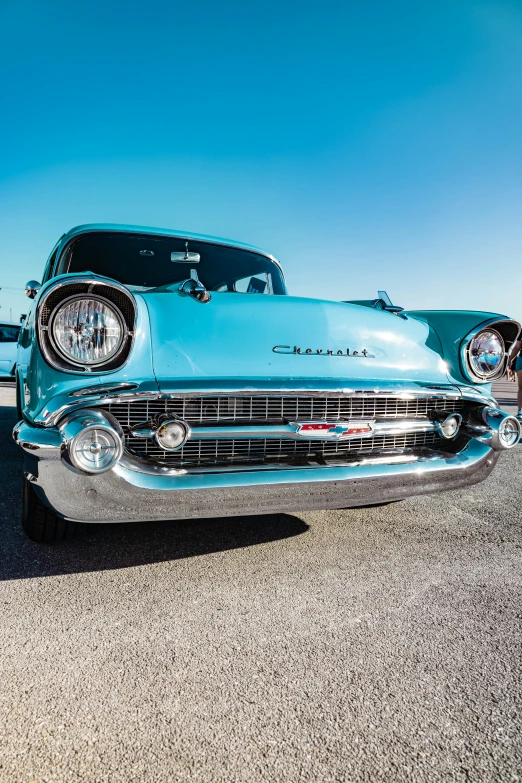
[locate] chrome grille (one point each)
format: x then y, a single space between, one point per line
228 452
209 410
212 410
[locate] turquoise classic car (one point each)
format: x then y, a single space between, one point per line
167 375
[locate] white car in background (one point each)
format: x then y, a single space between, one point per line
8 344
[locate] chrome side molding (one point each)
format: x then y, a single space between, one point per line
298 430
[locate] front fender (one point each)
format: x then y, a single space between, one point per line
43 382
456 327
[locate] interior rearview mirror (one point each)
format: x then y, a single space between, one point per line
185 258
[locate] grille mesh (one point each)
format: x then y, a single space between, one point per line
238 451
249 410
209 410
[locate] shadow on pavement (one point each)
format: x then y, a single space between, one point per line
99 547
102 547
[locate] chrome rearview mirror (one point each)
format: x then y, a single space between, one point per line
32 288
186 257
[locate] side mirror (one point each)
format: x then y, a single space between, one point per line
32 288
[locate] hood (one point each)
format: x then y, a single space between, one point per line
234 336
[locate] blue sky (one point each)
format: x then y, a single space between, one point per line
366 144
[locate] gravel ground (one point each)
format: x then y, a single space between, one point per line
378 644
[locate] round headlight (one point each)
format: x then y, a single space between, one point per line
486 353
87 330
449 427
172 434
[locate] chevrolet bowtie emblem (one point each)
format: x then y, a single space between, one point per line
334 430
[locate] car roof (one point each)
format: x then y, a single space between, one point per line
165 232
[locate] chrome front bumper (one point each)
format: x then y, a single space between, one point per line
126 494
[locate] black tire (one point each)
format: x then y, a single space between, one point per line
40 524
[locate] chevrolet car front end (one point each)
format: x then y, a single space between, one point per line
163 375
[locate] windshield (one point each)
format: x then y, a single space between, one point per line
143 262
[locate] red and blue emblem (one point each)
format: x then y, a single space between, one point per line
335 430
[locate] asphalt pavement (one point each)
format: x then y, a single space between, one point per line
377 644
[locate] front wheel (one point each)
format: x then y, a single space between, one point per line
40 524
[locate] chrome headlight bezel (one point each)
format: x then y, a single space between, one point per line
53 297
87 363
469 367
184 433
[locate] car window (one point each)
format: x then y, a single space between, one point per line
9 334
256 284
143 262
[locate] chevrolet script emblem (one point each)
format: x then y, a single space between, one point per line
362 354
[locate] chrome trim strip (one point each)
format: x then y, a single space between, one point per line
59 406
147 434
106 388
292 431
315 390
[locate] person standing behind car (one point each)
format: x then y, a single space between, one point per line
514 370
